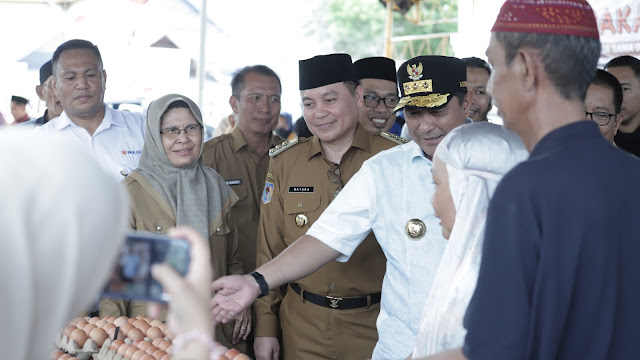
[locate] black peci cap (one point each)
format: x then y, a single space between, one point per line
376 68
431 81
323 70
46 70
19 99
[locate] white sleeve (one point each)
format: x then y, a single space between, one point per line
346 222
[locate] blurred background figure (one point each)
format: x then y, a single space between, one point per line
301 129
284 129
479 101
59 241
627 70
19 109
225 126
45 93
377 75
603 104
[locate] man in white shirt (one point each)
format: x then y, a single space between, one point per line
114 137
390 196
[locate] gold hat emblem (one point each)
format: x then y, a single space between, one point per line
415 228
301 220
415 72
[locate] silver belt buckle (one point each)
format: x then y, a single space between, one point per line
333 302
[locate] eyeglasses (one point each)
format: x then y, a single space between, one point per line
334 177
372 101
173 132
601 118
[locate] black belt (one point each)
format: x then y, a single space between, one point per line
337 303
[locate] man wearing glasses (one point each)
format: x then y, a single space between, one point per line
603 103
377 75
330 314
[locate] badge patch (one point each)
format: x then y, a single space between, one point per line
234 182
301 189
267 193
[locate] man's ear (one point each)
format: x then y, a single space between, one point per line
233 101
359 96
617 121
40 91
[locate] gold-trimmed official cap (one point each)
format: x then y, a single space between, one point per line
323 70
430 81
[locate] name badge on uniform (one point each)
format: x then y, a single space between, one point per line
267 193
234 182
301 189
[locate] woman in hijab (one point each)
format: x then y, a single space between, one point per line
171 187
468 165
59 237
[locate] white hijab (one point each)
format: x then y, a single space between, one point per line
477 156
62 220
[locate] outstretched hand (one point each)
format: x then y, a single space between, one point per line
233 294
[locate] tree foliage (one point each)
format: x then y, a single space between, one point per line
357 27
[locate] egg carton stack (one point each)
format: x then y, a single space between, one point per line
110 338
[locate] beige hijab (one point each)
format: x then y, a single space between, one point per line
477 156
198 195
62 221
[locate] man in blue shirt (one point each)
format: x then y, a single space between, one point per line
559 271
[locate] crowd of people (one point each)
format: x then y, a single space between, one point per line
463 240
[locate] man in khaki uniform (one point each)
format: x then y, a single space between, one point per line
377 75
330 314
240 157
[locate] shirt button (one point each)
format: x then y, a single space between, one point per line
158 228
332 286
299 204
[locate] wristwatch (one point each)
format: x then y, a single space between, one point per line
262 283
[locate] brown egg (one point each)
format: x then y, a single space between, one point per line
166 357
231 353
154 333
241 357
137 341
130 351
144 327
155 322
116 345
144 345
164 344
56 354
81 324
138 322
108 326
122 320
131 320
147 357
138 354
122 349
135 334
158 354
151 349
162 327
78 336
111 333
67 331
125 329
75 320
93 320
99 336
101 323
87 329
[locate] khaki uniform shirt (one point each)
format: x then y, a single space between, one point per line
150 212
299 184
245 172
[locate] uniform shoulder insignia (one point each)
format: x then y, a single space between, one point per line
282 147
393 137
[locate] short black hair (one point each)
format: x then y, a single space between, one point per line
238 80
607 80
625 60
477 63
569 61
74 45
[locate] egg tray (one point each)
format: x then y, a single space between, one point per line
90 349
71 347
